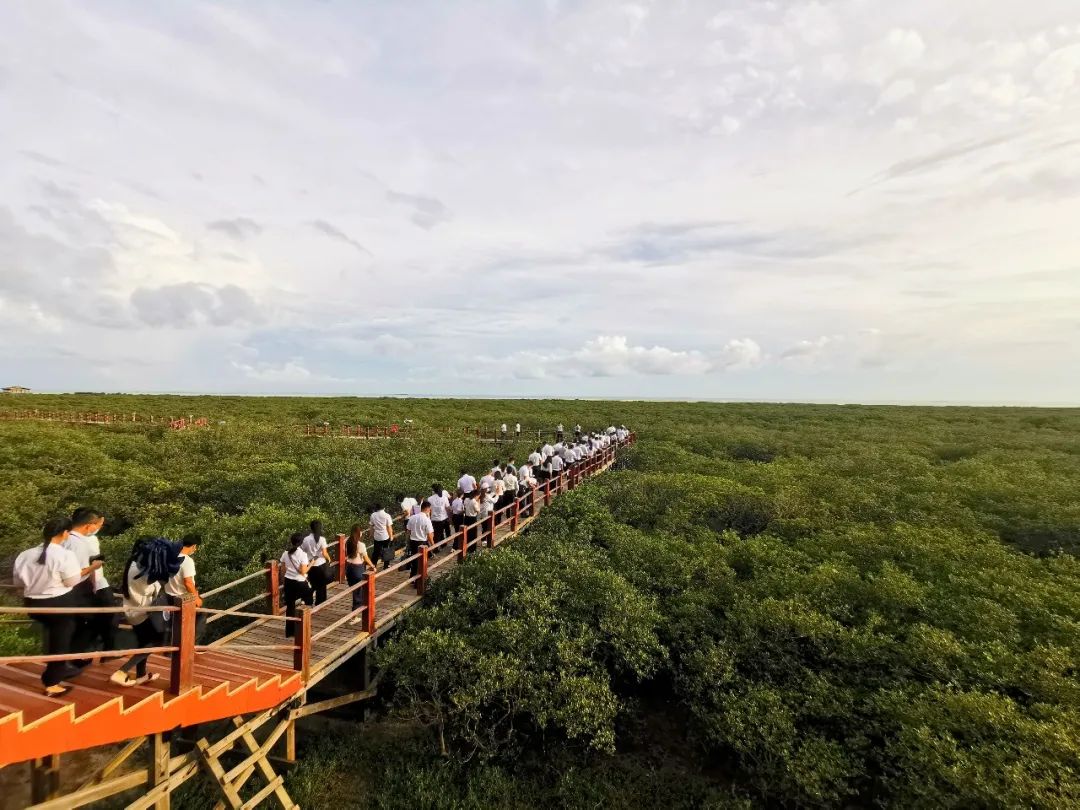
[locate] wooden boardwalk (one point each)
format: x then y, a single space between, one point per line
253 676
342 639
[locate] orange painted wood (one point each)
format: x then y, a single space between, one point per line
369 614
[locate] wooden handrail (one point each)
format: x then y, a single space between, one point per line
227 585
82 610
78 656
234 612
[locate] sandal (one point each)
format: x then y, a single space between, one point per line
124 678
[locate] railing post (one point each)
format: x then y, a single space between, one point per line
465 540
274 586
369 614
547 491
517 513
421 584
182 666
341 558
302 643
491 528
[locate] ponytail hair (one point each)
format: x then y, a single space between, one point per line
51 529
350 546
295 540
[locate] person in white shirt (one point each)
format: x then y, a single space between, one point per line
296 565
517 430
47 574
466 483
315 547
357 565
471 514
559 432
406 502
535 457
382 535
557 465
420 532
503 430
457 516
487 482
547 450
510 482
94 589
495 466
440 512
140 592
487 506
184 580
498 491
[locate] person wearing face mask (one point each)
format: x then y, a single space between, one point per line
94 589
48 575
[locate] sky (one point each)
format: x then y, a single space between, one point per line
834 200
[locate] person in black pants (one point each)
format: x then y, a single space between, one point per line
315 546
357 565
47 575
296 564
94 591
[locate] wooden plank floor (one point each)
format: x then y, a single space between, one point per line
349 638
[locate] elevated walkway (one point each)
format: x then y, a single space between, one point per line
249 676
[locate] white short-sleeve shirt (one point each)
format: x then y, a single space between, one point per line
380 523
84 547
439 505
407 505
46 580
293 562
419 527
175 586
313 549
466 483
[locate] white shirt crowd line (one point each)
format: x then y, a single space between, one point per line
64 572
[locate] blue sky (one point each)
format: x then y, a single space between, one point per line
846 200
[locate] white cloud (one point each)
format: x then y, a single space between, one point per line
350 187
614 356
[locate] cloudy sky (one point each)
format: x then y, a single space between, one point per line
839 200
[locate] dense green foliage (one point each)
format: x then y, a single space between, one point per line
799 605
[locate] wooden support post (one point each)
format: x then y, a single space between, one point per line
421 584
44 778
465 540
341 558
160 753
369 614
182 669
547 492
290 742
273 585
491 529
302 646
517 514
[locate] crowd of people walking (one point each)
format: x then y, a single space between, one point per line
65 570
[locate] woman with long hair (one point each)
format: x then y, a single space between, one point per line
47 575
140 591
296 564
357 564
